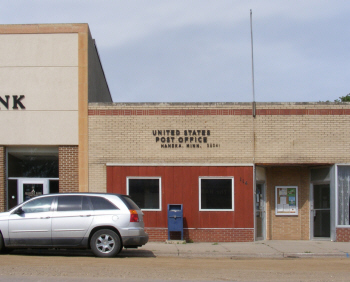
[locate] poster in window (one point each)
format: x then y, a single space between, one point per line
286 200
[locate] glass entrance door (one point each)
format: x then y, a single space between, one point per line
260 212
321 211
29 188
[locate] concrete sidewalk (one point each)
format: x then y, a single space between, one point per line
258 249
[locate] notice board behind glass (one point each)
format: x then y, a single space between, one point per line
286 200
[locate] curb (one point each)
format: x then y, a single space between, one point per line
249 255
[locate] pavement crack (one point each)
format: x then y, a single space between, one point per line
273 248
177 249
227 249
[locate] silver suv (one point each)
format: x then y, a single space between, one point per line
103 222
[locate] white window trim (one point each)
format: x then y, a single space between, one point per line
216 177
336 197
149 177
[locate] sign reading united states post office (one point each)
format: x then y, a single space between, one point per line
187 138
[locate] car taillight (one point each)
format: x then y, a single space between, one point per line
134 217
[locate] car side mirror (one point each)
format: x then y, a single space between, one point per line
19 211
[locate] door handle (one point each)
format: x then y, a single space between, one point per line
85 215
45 217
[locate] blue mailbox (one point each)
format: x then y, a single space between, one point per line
175 220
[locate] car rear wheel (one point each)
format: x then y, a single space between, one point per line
105 243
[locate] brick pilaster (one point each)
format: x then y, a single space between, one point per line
68 169
2 179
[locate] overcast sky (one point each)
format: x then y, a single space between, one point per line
200 50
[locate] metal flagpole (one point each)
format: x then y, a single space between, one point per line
251 40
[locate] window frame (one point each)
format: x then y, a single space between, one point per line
336 216
216 177
148 177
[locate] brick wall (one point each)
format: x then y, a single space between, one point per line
68 169
131 137
343 234
203 235
281 133
288 227
2 179
301 139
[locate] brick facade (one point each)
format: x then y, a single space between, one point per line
288 227
281 133
343 234
2 179
68 169
294 139
203 235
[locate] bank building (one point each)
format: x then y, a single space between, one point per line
240 172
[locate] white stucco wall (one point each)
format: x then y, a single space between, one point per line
44 69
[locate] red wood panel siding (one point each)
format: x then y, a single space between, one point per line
180 185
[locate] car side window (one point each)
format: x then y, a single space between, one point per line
38 205
100 203
72 203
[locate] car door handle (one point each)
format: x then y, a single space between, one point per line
45 217
85 215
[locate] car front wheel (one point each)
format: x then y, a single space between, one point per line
105 243
3 249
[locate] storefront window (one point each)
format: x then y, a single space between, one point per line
146 192
343 194
33 162
216 194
